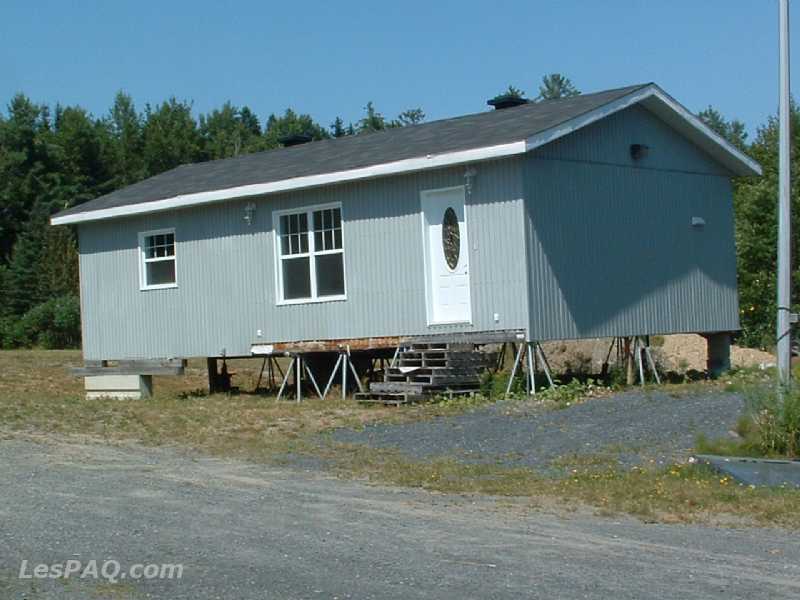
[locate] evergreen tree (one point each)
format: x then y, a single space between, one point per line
229 131
556 86
372 120
291 124
511 92
755 202
337 128
734 131
82 149
58 274
22 281
170 136
26 167
412 116
125 126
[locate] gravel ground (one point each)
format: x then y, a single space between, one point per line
631 427
252 532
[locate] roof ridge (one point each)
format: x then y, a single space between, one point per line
394 130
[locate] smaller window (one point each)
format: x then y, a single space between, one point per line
157 252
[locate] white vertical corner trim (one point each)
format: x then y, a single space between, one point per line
746 164
431 161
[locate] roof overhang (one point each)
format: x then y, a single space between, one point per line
651 96
431 161
671 112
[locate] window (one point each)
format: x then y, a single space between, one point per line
310 255
157 252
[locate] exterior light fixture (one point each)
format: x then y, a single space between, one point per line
249 212
469 179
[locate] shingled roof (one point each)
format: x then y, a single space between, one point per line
428 145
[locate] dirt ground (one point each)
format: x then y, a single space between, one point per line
250 531
679 353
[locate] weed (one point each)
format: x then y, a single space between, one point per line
775 415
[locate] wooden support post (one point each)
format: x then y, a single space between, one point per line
211 365
261 374
629 366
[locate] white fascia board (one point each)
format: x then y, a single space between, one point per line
431 161
747 166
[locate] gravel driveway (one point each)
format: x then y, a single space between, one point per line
252 532
630 427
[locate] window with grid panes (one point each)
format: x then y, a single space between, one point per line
158 260
311 255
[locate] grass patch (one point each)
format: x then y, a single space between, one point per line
680 493
37 395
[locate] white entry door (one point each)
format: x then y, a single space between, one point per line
446 256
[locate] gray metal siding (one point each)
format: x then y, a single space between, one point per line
609 243
226 275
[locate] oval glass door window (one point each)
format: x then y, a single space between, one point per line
451 238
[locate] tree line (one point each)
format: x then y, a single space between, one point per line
56 158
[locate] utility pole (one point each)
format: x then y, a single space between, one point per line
784 327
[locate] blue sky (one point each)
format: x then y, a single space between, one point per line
330 58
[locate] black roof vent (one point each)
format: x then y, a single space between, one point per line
506 101
294 139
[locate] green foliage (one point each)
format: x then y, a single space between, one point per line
511 92
125 126
775 419
556 85
572 392
734 131
291 124
375 121
755 202
769 425
230 131
339 130
55 323
412 116
171 137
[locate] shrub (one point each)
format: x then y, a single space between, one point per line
775 420
55 323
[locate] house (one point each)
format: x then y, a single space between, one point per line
606 214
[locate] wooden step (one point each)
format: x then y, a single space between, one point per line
395 387
386 398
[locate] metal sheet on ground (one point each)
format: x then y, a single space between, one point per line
755 471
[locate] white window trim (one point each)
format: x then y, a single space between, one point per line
143 260
311 254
